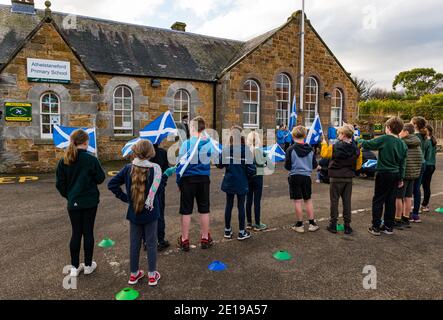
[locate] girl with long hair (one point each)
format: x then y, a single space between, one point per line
143 182
78 175
430 168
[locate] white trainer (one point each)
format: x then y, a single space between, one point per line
75 272
313 228
91 269
298 229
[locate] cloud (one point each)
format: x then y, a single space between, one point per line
201 8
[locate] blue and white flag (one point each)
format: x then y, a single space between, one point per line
293 117
185 160
62 136
370 164
156 132
215 145
275 153
315 132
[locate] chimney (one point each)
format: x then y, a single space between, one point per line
179 26
23 6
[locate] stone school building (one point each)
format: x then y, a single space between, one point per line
85 72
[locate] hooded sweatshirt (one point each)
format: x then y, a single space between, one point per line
415 157
201 162
344 160
300 160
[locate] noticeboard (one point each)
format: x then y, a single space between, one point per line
18 112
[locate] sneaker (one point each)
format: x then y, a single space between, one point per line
348 230
332 228
398 224
133 280
163 245
425 209
228 234
75 272
249 226
299 229
261 227
415 219
386 230
374 231
406 223
91 269
184 245
313 227
244 235
206 243
153 281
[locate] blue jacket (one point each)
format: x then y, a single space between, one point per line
281 137
237 172
201 162
288 138
124 178
300 160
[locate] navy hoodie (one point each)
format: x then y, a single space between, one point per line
300 160
237 172
124 178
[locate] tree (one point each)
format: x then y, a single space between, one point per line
418 82
364 88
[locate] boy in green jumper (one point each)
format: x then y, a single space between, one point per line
390 174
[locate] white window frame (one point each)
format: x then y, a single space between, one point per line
180 101
116 128
337 96
249 101
50 114
312 90
279 87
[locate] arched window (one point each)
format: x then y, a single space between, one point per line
182 104
337 108
283 90
311 101
49 114
251 105
123 106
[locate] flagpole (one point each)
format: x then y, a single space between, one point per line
302 57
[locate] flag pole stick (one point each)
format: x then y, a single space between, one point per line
302 57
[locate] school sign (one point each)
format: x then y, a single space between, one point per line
51 71
18 112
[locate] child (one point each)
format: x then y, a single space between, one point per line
195 184
344 156
413 168
430 167
143 181
420 131
300 161
390 169
78 175
256 183
235 159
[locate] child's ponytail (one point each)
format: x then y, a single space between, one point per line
78 137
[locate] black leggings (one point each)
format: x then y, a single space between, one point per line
427 179
82 222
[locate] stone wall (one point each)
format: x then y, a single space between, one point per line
281 54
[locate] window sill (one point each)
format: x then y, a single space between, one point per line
43 142
123 138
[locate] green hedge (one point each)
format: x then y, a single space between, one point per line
429 106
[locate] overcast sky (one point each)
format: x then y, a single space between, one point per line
373 39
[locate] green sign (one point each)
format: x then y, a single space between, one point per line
18 112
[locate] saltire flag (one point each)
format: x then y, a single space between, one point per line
185 160
62 137
156 132
275 153
293 117
215 145
315 132
370 164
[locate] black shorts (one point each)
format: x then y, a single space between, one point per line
407 191
195 187
300 187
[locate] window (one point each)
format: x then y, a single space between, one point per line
251 104
283 99
123 111
49 114
337 108
182 103
311 101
